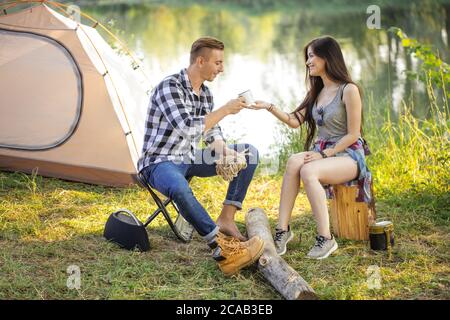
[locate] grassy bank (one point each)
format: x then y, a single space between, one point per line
47 224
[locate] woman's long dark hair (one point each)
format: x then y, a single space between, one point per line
328 49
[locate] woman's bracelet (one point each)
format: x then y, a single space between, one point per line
323 154
270 108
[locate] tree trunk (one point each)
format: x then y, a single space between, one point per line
280 275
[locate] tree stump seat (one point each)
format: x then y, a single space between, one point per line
350 219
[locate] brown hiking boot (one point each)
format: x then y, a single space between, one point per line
249 242
231 255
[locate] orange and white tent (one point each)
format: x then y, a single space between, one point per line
70 107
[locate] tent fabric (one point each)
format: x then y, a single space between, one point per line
26 57
70 107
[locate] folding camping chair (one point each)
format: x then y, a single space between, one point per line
182 229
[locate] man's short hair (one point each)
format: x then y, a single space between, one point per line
200 46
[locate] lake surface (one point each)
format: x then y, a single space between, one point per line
264 51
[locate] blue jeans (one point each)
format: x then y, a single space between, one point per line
171 179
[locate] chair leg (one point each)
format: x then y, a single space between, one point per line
158 211
180 235
182 229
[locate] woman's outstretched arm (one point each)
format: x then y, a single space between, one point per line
288 118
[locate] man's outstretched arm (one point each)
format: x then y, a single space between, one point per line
231 107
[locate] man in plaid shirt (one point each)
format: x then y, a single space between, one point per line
180 114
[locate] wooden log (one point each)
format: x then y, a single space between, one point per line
350 219
280 275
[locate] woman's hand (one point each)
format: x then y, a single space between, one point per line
259 105
312 156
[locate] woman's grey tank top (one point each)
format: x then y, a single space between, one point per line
334 117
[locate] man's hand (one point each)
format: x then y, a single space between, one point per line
231 107
234 106
230 152
220 147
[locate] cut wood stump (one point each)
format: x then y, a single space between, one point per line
280 275
350 219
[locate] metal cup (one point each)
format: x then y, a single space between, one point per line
248 97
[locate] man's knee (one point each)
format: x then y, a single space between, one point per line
180 191
253 154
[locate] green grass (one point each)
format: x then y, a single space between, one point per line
48 224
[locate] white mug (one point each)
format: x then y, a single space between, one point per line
248 97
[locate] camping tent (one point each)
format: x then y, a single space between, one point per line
70 106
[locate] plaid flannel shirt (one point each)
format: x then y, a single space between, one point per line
176 121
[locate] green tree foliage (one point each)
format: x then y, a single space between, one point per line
432 67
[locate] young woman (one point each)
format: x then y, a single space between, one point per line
333 106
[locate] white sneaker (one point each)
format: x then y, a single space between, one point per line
282 237
323 248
